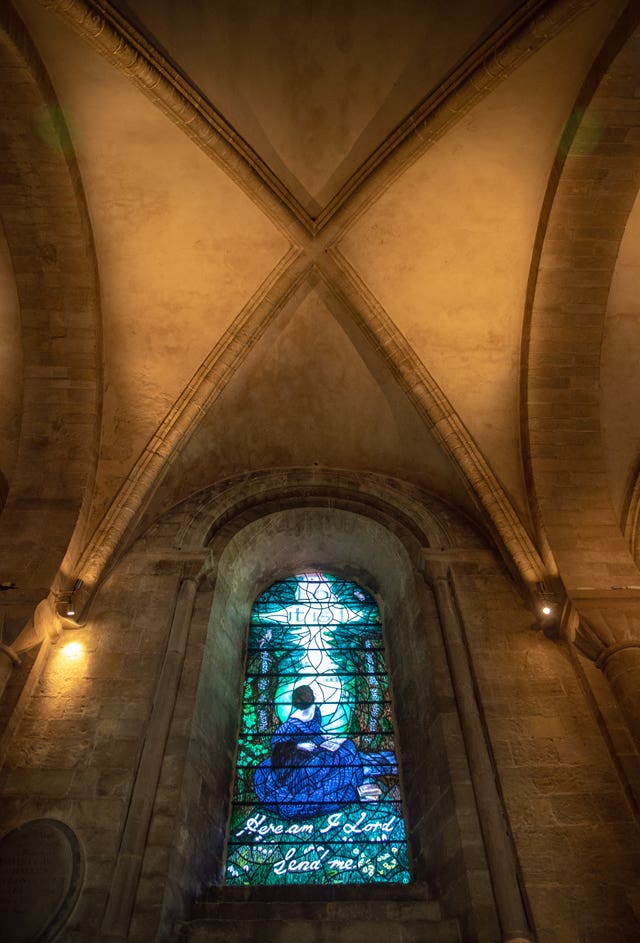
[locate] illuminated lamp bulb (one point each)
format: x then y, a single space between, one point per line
546 610
71 609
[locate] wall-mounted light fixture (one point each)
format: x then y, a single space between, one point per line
66 599
544 599
547 608
548 613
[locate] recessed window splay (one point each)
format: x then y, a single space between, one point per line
317 798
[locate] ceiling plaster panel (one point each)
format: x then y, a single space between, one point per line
619 371
311 393
10 367
314 87
180 248
447 249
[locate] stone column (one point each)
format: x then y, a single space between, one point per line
124 885
9 659
8 663
612 641
497 841
8 655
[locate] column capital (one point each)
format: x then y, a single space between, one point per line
605 631
610 636
204 572
606 653
436 568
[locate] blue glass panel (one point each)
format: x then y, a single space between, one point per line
316 797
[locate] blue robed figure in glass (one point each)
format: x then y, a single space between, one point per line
309 772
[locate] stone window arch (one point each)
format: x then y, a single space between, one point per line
403 547
262 551
353 545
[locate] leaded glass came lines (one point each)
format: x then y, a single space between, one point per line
316 798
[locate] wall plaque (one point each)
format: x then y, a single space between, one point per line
41 871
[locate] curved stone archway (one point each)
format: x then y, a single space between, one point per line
393 502
48 235
349 544
590 197
591 194
250 531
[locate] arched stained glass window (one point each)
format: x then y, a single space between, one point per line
317 798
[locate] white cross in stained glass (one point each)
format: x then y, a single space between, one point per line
316 610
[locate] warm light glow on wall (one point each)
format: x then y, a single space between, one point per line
73 650
67 668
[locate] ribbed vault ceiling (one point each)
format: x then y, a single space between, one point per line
434 228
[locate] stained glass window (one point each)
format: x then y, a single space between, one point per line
317 798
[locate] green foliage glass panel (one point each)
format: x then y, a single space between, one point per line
316 798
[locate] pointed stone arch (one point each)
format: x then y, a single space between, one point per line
294 276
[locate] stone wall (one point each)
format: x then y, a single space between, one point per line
548 726
75 754
568 802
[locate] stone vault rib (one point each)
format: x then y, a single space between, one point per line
437 412
521 36
122 46
183 418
